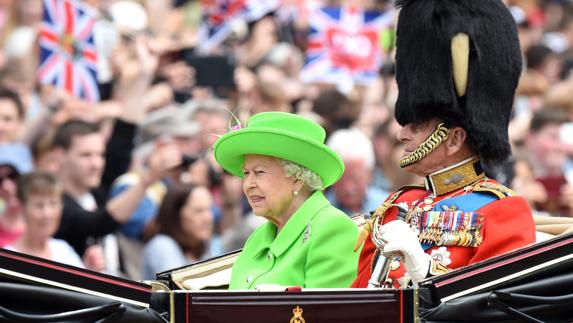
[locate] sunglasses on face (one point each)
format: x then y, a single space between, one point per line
8 174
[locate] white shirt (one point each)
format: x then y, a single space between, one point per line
61 252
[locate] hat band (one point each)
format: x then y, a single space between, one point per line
426 147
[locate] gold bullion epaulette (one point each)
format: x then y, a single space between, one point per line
494 188
379 213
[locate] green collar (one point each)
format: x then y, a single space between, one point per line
294 227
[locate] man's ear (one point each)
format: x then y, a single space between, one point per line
456 140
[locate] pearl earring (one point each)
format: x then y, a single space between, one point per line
295 193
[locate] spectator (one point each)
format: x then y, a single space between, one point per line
544 62
353 193
15 160
140 226
86 214
41 194
11 116
45 157
386 170
523 181
166 128
185 235
213 116
336 110
549 156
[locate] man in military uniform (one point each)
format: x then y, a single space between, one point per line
457 65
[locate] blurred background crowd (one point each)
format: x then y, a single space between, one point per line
125 182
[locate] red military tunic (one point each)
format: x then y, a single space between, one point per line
506 224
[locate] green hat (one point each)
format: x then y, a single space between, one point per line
283 135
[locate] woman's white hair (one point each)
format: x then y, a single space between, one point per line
352 144
308 177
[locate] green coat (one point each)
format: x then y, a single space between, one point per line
313 250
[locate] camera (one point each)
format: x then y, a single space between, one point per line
211 71
188 160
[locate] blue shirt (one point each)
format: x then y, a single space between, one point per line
164 253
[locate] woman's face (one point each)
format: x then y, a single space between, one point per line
8 187
42 214
196 214
10 121
268 190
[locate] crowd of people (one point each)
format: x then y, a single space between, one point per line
130 185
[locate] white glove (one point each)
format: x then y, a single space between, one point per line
400 238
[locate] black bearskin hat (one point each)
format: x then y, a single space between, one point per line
481 99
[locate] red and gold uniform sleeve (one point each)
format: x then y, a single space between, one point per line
368 250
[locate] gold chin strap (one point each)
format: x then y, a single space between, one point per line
425 148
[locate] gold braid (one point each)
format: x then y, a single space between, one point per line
379 213
425 148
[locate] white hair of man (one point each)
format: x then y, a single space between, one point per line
352 143
308 177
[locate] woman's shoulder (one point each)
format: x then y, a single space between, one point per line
60 245
160 241
63 252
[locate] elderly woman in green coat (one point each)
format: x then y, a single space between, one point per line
285 166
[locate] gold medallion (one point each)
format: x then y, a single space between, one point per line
297 316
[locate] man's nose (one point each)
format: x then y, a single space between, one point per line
403 134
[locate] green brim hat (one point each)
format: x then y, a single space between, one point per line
282 135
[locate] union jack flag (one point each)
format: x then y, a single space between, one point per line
344 45
219 16
67 52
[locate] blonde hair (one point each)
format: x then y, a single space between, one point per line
309 178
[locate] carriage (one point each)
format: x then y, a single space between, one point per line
531 284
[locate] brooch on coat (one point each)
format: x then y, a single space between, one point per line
306 234
441 256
